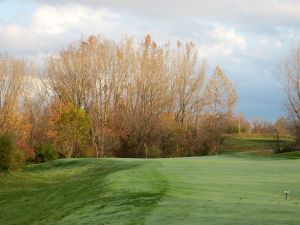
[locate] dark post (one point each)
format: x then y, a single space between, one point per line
286 192
277 140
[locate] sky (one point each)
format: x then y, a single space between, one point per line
247 39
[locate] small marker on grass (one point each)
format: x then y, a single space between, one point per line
286 192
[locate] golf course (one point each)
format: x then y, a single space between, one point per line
237 188
134 112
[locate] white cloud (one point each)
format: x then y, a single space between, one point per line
229 36
278 44
56 20
54 27
13 36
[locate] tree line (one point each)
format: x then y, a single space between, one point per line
98 97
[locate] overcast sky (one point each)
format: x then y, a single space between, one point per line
246 38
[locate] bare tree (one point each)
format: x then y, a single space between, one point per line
220 97
188 81
288 75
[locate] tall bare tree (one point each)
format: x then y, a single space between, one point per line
288 75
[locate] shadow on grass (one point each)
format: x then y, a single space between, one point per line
80 191
246 144
264 157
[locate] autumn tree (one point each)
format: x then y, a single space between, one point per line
220 96
188 80
12 72
220 99
132 93
72 131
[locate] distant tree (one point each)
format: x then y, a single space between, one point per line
239 124
282 126
260 126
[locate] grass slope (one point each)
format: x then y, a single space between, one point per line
253 143
197 190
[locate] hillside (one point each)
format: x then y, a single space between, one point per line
253 143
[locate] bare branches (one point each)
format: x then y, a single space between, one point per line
12 73
136 96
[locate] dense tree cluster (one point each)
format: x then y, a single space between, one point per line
104 98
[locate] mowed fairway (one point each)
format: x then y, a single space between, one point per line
198 190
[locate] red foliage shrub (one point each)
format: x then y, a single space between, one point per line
27 150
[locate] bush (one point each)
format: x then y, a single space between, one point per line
27 150
45 152
288 148
232 129
153 152
208 141
10 156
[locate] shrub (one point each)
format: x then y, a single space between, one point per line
208 141
10 156
288 148
45 152
153 152
232 129
27 150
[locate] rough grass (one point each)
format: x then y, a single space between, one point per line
200 190
253 143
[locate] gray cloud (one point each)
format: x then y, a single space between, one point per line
242 12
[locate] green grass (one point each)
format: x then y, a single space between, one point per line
236 189
253 143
